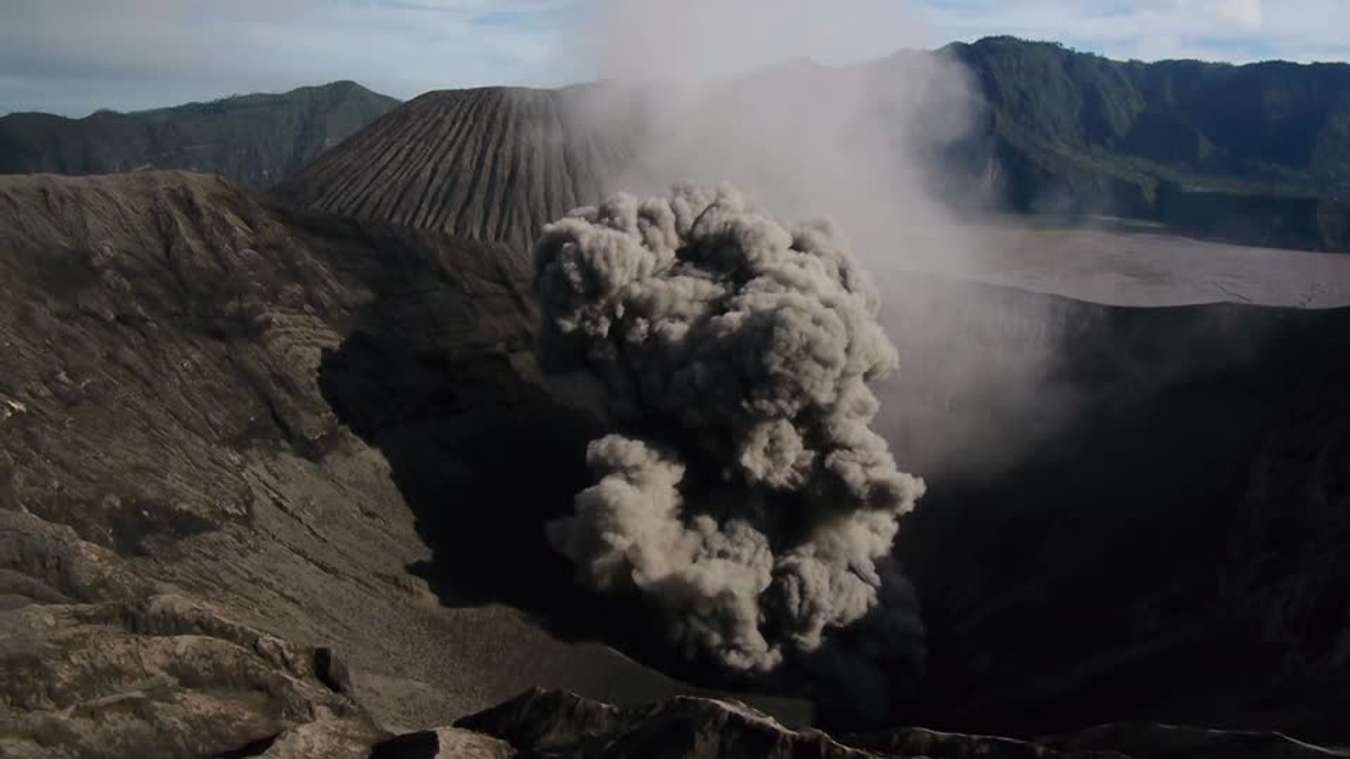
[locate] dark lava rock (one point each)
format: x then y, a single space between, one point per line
563 725
443 743
331 670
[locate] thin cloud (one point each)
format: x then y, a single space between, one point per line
75 56
1227 30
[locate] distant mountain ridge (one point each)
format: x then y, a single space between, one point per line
1258 153
1271 126
253 140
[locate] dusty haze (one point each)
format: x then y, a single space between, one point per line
857 144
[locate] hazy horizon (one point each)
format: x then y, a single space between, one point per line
61 57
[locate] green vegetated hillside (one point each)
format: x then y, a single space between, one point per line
1258 153
255 140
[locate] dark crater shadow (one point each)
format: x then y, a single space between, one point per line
1126 567
1117 571
483 460
483 456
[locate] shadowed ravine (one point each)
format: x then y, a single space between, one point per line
1140 561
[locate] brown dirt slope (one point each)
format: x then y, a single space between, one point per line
166 343
489 164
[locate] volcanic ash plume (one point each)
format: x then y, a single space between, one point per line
746 495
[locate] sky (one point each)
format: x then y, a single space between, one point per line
75 56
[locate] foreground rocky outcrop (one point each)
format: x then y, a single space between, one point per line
563 725
167 676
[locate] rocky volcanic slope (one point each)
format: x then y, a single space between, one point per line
197 556
488 164
271 483
254 140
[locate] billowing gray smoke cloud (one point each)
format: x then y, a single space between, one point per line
747 495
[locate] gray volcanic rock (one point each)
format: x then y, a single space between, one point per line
169 345
164 676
